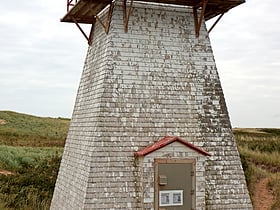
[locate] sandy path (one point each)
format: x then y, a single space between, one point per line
263 197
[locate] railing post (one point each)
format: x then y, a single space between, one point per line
69 3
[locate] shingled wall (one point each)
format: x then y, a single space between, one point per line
156 80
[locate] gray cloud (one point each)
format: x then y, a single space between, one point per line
40 65
247 51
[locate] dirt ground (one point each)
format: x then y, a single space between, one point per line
5 172
263 198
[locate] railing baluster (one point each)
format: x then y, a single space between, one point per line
70 4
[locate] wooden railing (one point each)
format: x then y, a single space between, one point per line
70 4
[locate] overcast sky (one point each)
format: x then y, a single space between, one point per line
41 60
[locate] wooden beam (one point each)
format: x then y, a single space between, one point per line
198 22
100 21
108 21
125 15
201 17
91 32
79 27
109 17
124 12
88 38
214 24
195 20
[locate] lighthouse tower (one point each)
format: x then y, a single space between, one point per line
150 128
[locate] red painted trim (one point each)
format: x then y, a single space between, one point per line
166 141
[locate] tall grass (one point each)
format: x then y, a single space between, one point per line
260 154
16 158
34 174
274 183
262 159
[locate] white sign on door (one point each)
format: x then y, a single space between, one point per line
171 198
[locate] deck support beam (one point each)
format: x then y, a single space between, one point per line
126 15
106 26
88 38
91 32
198 22
215 23
80 28
86 12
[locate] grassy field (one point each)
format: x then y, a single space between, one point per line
31 149
260 153
18 129
34 171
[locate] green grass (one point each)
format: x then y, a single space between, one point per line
260 154
19 129
34 174
31 148
274 183
18 158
